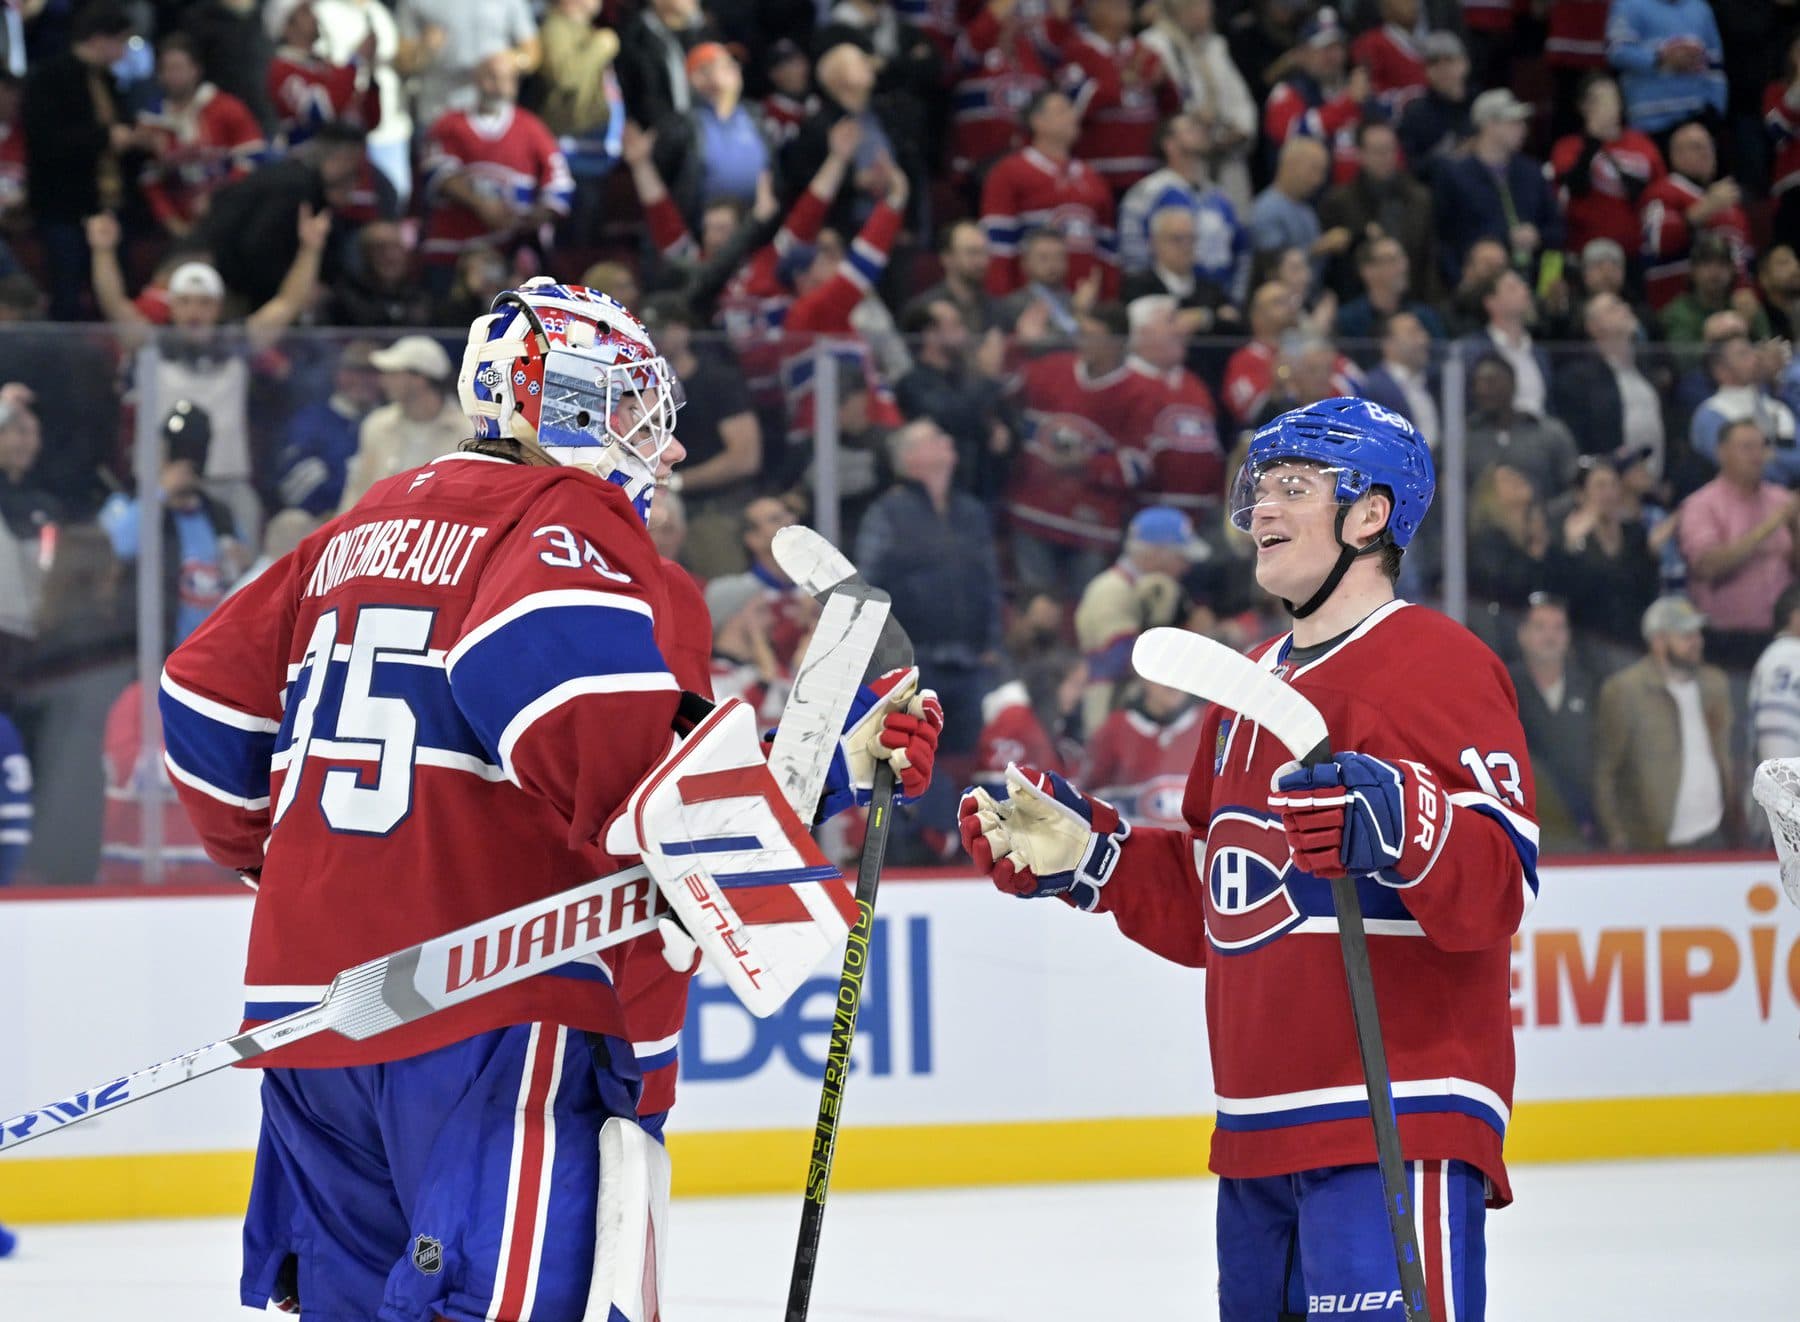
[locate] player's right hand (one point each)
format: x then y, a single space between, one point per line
1044 838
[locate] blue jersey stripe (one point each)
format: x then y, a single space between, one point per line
226 757
1306 1115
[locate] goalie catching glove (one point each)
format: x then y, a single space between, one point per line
895 721
1045 838
1359 814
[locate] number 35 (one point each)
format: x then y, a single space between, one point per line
567 551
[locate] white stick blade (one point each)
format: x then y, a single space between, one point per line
1209 669
812 562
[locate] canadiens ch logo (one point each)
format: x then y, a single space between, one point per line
1246 869
428 1255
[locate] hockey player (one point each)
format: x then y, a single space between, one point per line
422 717
1430 808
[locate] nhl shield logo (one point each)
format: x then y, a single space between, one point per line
428 1255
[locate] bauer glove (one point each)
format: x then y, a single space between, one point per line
1045 838
891 720
1359 814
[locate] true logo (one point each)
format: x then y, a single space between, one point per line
428 1255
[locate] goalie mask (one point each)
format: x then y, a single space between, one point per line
575 372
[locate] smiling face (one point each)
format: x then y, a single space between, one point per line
1292 519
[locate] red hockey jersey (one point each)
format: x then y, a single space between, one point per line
1012 732
1028 191
1781 121
1299 106
197 149
307 93
1668 238
1073 480
1140 766
1601 198
1577 35
1223 893
1177 424
999 69
422 717
12 166
510 156
183 855
1122 91
1250 380
1395 63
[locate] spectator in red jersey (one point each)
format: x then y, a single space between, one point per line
1318 99
307 90
494 174
199 137
1603 170
1685 203
790 101
1027 718
12 151
1436 123
1382 201
1310 369
1072 481
1121 90
1176 422
1044 186
1213 92
1004 58
1781 120
1250 373
1139 758
1393 55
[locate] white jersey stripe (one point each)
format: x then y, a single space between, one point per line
210 790
218 711
1449 1259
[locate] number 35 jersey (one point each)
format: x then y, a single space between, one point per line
422 717
1414 688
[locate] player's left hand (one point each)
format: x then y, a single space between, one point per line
1359 814
892 720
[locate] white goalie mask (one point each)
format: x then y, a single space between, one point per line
574 371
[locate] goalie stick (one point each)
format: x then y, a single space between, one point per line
397 989
818 567
1208 669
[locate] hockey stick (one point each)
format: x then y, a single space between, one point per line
396 989
818 567
1210 670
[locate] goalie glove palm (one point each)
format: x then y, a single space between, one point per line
1045 838
1359 814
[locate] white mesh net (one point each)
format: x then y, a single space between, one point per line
1777 788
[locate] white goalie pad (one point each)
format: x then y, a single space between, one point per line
633 1228
741 872
1776 787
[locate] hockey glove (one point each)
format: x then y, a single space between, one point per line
892 720
1358 814
1045 838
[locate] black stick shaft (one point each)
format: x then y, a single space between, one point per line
1355 943
843 1032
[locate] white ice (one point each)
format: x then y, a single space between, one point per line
1694 1241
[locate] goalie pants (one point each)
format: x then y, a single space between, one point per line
1317 1244
461 1183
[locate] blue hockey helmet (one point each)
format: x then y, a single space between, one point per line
1361 444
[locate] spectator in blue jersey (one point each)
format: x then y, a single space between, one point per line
1221 243
202 549
15 829
1283 216
321 436
1670 59
1495 191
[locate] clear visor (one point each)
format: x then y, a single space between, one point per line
1277 484
594 404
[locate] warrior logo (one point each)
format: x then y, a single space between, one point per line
428 1255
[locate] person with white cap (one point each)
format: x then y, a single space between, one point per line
1662 765
420 421
203 359
1495 190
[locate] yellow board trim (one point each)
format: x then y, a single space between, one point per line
935 1156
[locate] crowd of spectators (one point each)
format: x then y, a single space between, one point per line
1061 258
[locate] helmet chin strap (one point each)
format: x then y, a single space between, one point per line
1347 556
